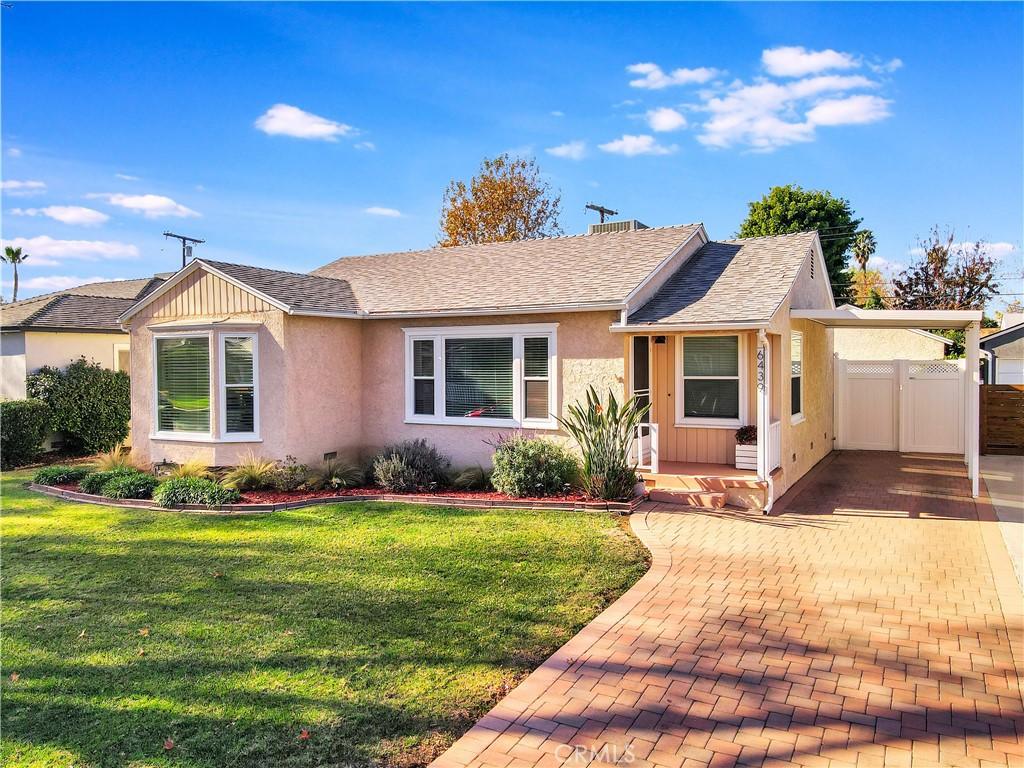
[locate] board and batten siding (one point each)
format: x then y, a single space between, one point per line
202 293
705 445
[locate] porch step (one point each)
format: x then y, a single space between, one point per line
703 500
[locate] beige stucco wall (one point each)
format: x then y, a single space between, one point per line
588 353
886 344
61 349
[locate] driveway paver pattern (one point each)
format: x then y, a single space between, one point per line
861 626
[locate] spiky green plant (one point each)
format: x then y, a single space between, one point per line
250 474
605 434
191 468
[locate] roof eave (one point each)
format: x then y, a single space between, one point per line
656 328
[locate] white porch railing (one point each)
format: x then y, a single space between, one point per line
774 445
645 447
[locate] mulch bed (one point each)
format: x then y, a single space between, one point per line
283 497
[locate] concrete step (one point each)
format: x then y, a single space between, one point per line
700 499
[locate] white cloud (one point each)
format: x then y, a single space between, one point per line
557 113
126 177
66 214
886 67
376 210
797 61
626 103
630 146
853 110
369 146
55 282
767 115
45 250
654 78
571 150
997 250
22 188
665 119
151 206
13 152
286 120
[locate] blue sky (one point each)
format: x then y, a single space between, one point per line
288 135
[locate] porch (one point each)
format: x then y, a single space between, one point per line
702 387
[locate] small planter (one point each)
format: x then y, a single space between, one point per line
746 457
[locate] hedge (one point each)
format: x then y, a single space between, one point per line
23 427
90 405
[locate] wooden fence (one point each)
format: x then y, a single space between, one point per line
1002 419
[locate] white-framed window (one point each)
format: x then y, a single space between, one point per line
239 402
488 376
123 357
796 376
183 387
712 378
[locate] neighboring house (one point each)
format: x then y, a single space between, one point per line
888 343
457 345
1005 350
57 328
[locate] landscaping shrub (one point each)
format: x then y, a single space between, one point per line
23 425
252 473
290 475
472 479
533 467
605 434
190 468
116 458
94 481
410 466
193 490
334 474
59 475
90 405
130 486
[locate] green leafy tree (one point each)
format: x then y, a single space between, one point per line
507 200
14 257
794 209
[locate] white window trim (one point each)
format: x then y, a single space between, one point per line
742 378
222 406
517 332
798 417
118 349
216 347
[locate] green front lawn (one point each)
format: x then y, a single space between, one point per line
383 630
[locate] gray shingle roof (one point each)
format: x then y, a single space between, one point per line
582 269
91 306
300 292
730 281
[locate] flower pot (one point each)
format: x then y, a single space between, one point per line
746 457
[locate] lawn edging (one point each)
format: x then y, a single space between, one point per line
617 507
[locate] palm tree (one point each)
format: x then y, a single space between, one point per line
14 257
864 248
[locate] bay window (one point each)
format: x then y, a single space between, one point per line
712 373
184 386
481 375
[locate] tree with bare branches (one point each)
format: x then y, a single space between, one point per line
947 275
507 200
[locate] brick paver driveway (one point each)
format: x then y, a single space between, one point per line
870 623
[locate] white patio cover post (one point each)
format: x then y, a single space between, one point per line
764 414
972 352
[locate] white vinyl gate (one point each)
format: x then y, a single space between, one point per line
900 405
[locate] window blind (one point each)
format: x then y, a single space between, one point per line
478 378
239 385
183 384
711 356
535 378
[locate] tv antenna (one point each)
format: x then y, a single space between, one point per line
601 210
186 245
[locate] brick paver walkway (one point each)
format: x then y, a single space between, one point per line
871 623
